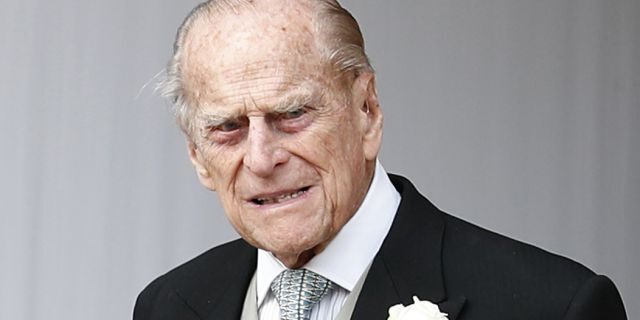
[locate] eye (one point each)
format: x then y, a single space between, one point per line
294 114
227 132
229 126
294 120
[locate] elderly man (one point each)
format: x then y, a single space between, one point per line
278 102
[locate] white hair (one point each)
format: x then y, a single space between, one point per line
339 33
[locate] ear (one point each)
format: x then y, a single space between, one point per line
372 114
197 160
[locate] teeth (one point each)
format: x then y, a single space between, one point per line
280 198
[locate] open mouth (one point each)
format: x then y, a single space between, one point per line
279 198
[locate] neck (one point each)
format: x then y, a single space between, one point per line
296 261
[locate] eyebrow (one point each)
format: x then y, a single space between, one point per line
293 101
301 96
216 118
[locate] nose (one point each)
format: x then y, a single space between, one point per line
264 152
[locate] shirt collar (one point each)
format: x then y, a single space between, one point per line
349 254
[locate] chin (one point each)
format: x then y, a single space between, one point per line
293 244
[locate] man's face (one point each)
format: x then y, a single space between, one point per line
285 142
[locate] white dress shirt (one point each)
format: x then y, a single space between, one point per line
345 258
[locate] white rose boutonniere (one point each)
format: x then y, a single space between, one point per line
419 310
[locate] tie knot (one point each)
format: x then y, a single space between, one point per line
297 291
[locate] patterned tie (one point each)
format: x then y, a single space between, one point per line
297 291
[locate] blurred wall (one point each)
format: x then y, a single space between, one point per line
521 116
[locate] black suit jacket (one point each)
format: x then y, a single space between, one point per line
471 273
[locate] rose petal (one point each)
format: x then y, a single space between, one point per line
419 310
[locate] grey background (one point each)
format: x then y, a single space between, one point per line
521 116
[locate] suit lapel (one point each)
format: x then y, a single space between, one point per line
409 262
452 307
230 301
218 292
228 305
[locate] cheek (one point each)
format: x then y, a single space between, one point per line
342 163
223 165
349 169
333 139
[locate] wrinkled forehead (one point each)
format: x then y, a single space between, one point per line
251 51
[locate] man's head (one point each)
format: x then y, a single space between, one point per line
279 104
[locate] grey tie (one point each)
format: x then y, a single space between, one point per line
297 291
